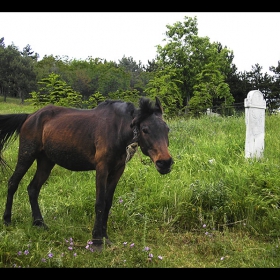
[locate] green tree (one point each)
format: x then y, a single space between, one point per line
97 75
52 64
126 95
111 78
53 90
84 75
94 100
138 77
210 89
165 86
274 103
2 44
24 77
7 56
82 82
27 52
17 75
239 86
188 55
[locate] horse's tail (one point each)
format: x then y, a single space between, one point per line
10 126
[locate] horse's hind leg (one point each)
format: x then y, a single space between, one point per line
21 168
44 168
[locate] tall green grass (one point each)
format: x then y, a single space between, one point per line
215 209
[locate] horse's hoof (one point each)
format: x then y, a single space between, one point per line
99 244
97 248
7 220
108 242
40 223
7 223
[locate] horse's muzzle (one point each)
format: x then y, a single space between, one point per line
164 166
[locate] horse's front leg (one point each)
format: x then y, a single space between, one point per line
97 236
105 188
112 182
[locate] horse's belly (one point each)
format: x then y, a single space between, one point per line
71 160
77 166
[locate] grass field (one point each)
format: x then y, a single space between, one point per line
215 209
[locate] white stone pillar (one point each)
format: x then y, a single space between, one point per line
255 106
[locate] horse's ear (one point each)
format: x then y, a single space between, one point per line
158 104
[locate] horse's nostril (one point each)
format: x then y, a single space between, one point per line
164 163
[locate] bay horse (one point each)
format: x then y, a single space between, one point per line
103 139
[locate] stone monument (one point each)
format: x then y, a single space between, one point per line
255 106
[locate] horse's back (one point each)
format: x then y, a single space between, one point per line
56 117
73 138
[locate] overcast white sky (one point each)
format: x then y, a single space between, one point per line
253 37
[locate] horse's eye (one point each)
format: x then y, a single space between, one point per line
145 130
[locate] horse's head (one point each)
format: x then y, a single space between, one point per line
153 134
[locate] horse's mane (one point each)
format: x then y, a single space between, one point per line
146 108
120 106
